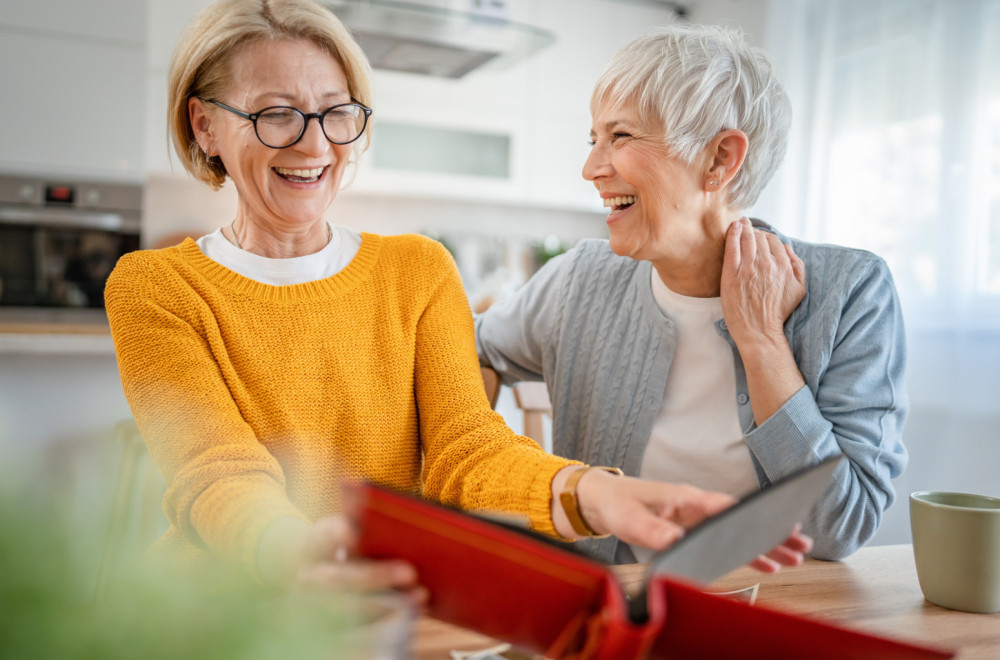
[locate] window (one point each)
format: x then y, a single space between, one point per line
903 141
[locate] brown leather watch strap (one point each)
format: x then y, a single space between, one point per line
571 502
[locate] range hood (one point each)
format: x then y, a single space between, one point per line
438 40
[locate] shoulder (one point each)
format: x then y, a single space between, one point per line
594 258
413 262
412 248
598 250
831 267
834 267
144 278
843 286
140 267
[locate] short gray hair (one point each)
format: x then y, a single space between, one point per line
698 80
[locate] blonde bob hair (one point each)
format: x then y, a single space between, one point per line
695 81
200 66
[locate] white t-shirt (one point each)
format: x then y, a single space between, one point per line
696 438
329 261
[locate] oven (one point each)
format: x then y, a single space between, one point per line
60 239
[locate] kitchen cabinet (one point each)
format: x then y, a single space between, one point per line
73 80
542 104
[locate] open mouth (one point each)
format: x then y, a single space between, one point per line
619 203
299 176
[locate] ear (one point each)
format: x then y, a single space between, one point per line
201 124
724 157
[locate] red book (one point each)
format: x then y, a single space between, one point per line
524 590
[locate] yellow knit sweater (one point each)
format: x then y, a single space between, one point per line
257 401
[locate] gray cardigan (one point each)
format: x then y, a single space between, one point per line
587 324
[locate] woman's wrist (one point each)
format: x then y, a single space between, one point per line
760 342
772 377
281 549
577 492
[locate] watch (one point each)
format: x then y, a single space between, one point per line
571 503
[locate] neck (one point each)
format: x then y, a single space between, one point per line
274 244
699 278
697 270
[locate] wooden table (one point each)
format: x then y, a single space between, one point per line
875 590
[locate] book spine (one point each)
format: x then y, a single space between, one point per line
612 636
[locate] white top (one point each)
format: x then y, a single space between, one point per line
329 261
696 438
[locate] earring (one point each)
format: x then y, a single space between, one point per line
713 182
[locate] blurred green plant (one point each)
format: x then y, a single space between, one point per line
47 609
551 247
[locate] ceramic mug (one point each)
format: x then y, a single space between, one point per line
956 547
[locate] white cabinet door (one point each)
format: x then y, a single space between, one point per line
105 20
73 80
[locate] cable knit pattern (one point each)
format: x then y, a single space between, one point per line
257 401
588 325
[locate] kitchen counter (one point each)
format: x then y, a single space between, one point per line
50 331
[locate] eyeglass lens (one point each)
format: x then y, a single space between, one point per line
282 126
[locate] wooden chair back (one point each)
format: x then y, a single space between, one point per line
532 397
491 382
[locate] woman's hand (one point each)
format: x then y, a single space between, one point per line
763 281
321 556
655 514
648 513
790 553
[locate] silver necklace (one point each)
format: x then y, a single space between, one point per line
236 239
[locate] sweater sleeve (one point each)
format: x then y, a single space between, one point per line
513 334
223 487
471 458
857 408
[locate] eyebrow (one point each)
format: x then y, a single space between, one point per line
333 98
610 125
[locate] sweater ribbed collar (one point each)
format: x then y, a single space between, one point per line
339 284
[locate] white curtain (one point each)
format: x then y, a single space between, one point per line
896 149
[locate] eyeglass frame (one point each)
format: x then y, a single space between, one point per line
253 116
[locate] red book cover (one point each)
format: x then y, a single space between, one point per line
527 591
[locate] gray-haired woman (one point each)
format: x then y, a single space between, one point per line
696 345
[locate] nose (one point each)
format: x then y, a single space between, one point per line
313 140
598 163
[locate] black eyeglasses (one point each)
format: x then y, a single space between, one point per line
282 126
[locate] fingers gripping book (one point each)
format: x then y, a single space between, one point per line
540 595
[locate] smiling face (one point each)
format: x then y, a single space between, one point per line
658 205
289 189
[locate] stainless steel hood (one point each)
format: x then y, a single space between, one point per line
441 40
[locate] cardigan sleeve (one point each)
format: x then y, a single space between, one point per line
856 406
223 487
513 335
471 458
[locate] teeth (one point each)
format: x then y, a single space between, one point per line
301 174
619 201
